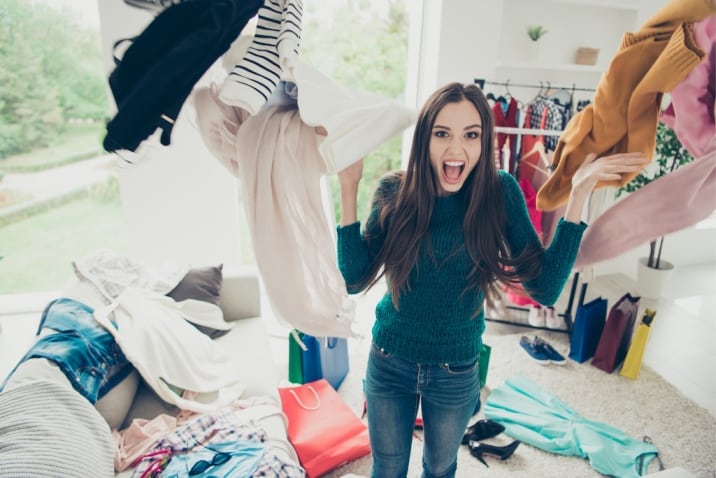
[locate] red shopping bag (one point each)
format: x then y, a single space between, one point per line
322 428
617 333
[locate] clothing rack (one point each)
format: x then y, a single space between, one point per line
481 82
541 132
566 315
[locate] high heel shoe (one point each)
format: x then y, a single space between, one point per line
482 430
477 449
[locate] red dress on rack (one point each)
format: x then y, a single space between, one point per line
506 119
530 161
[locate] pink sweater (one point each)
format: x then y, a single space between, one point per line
691 112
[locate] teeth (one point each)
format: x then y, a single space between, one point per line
454 163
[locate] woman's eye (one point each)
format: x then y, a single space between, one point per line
472 135
441 134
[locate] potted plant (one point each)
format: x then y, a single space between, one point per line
532 48
535 32
669 155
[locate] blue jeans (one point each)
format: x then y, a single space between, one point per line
448 395
86 353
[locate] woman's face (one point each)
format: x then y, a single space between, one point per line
455 145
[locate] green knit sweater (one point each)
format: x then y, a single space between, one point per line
434 324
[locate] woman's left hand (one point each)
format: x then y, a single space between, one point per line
606 168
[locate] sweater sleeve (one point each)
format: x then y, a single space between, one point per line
557 260
358 248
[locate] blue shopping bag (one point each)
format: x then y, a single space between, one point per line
312 358
334 360
587 329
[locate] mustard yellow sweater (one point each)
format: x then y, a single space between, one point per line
624 113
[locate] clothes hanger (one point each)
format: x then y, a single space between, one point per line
538 148
507 95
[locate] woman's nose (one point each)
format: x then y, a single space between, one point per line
455 144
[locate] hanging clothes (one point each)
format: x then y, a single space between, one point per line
623 116
545 114
534 416
505 112
531 151
516 293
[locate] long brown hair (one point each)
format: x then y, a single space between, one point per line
409 210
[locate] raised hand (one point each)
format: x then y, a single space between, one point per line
351 175
594 170
606 168
349 178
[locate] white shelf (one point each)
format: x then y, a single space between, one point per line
614 4
524 65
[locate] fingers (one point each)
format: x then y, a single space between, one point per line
625 158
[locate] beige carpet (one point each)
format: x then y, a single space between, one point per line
684 432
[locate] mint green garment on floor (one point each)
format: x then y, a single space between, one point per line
536 417
245 459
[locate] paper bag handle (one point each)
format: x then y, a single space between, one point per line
310 409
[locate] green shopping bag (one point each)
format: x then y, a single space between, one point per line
484 363
295 364
304 364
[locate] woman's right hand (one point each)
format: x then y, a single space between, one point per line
349 179
350 176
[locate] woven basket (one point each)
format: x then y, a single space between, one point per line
587 56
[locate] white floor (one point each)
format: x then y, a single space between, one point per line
681 347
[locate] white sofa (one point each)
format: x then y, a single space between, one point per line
247 342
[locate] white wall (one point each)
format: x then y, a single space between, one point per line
179 203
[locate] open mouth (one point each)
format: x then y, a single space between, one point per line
452 171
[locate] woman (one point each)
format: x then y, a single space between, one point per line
442 232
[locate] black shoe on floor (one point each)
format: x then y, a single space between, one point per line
482 430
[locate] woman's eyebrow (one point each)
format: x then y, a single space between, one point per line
476 125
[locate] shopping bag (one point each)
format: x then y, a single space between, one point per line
632 362
322 428
588 325
304 357
295 364
334 359
311 358
616 336
484 363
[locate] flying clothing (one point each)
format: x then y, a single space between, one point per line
273 50
159 70
682 197
625 110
